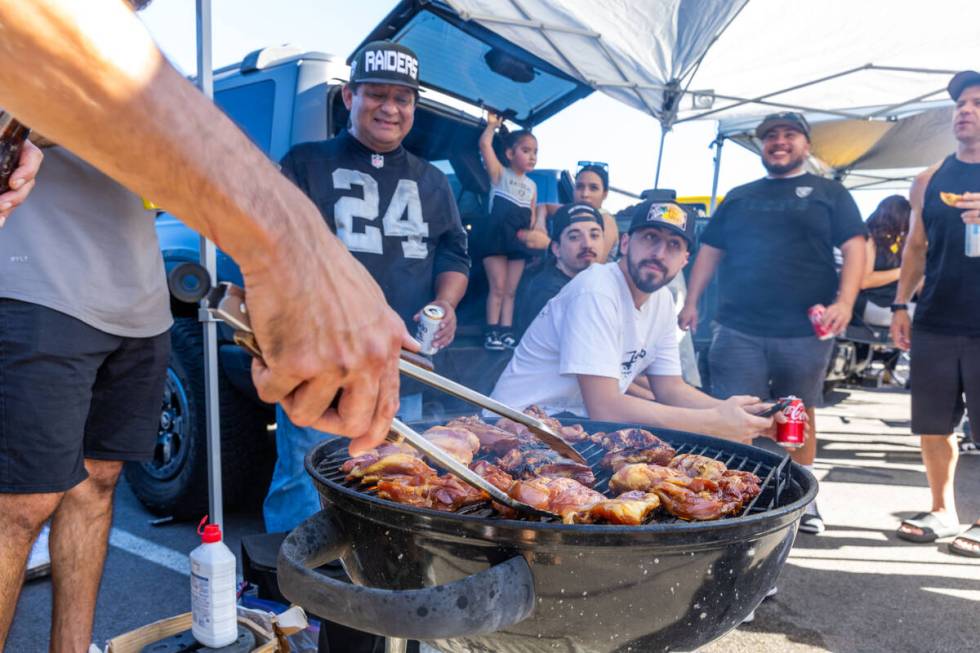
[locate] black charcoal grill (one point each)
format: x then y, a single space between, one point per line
472 581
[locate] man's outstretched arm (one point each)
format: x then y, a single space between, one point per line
88 76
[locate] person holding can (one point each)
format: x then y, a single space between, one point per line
945 336
397 216
772 242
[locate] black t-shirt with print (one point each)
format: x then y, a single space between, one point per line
535 291
778 237
395 213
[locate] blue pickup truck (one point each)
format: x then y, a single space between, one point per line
280 97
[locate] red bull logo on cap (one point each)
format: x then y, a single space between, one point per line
669 213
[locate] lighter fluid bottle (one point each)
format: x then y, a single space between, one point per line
213 589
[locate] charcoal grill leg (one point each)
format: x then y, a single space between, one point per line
396 645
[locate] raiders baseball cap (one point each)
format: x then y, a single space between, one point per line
789 119
385 62
667 215
569 214
961 81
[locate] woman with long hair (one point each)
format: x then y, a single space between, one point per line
889 225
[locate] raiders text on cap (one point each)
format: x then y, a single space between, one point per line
391 61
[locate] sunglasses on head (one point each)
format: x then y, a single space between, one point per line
597 164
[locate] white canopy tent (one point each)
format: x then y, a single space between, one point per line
683 60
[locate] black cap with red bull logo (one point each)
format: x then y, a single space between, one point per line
666 215
385 62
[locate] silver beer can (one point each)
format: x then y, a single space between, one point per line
432 316
972 240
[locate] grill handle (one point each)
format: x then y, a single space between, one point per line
482 603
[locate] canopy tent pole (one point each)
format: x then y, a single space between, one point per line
718 143
205 80
660 155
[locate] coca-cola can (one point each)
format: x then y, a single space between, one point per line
432 316
816 313
792 433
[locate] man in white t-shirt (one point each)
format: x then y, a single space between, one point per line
614 322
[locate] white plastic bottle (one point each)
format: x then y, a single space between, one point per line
213 589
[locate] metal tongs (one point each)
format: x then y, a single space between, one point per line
227 302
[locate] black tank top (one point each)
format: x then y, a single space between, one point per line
882 295
950 299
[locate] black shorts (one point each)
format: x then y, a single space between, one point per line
501 235
68 392
944 369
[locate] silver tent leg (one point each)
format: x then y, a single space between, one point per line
660 156
396 645
209 260
719 142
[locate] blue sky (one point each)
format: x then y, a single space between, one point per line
596 128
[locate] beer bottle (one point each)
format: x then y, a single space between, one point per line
12 137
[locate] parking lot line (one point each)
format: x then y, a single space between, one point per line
150 551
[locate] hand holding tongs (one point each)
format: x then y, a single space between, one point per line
227 301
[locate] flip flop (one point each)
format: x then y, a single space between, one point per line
972 534
931 526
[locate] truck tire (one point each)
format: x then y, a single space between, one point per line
175 482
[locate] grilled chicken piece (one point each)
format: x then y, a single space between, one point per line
491 438
444 492
629 508
395 464
698 466
643 477
563 496
740 487
525 463
353 466
573 433
628 446
493 474
700 500
459 443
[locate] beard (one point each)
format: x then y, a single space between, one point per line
643 279
777 169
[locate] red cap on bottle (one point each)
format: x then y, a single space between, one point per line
210 533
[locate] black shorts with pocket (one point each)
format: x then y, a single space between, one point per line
944 370
69 391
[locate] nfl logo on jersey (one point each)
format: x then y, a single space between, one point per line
378 160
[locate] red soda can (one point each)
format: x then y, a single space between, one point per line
792 434
816 319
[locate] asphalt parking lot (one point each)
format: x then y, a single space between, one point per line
854 589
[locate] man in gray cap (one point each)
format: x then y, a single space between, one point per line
395 213
945 340
774 241
613 323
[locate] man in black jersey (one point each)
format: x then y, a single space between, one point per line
773 240
945 342
395 213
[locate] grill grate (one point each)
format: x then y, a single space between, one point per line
775 479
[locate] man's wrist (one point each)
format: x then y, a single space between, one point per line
899 306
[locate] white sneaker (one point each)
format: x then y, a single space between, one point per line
749 618
39 561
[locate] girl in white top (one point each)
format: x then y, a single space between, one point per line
512 205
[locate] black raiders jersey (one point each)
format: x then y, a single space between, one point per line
395 212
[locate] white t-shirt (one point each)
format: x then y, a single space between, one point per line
591 327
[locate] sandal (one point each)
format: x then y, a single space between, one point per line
932 528
972 534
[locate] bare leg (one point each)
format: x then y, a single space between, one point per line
496 268
514 271
806 454
79 538
939 454
21 518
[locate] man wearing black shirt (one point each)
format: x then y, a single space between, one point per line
773 240
576 240
395 213
945 340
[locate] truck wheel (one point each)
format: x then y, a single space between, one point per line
175 482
